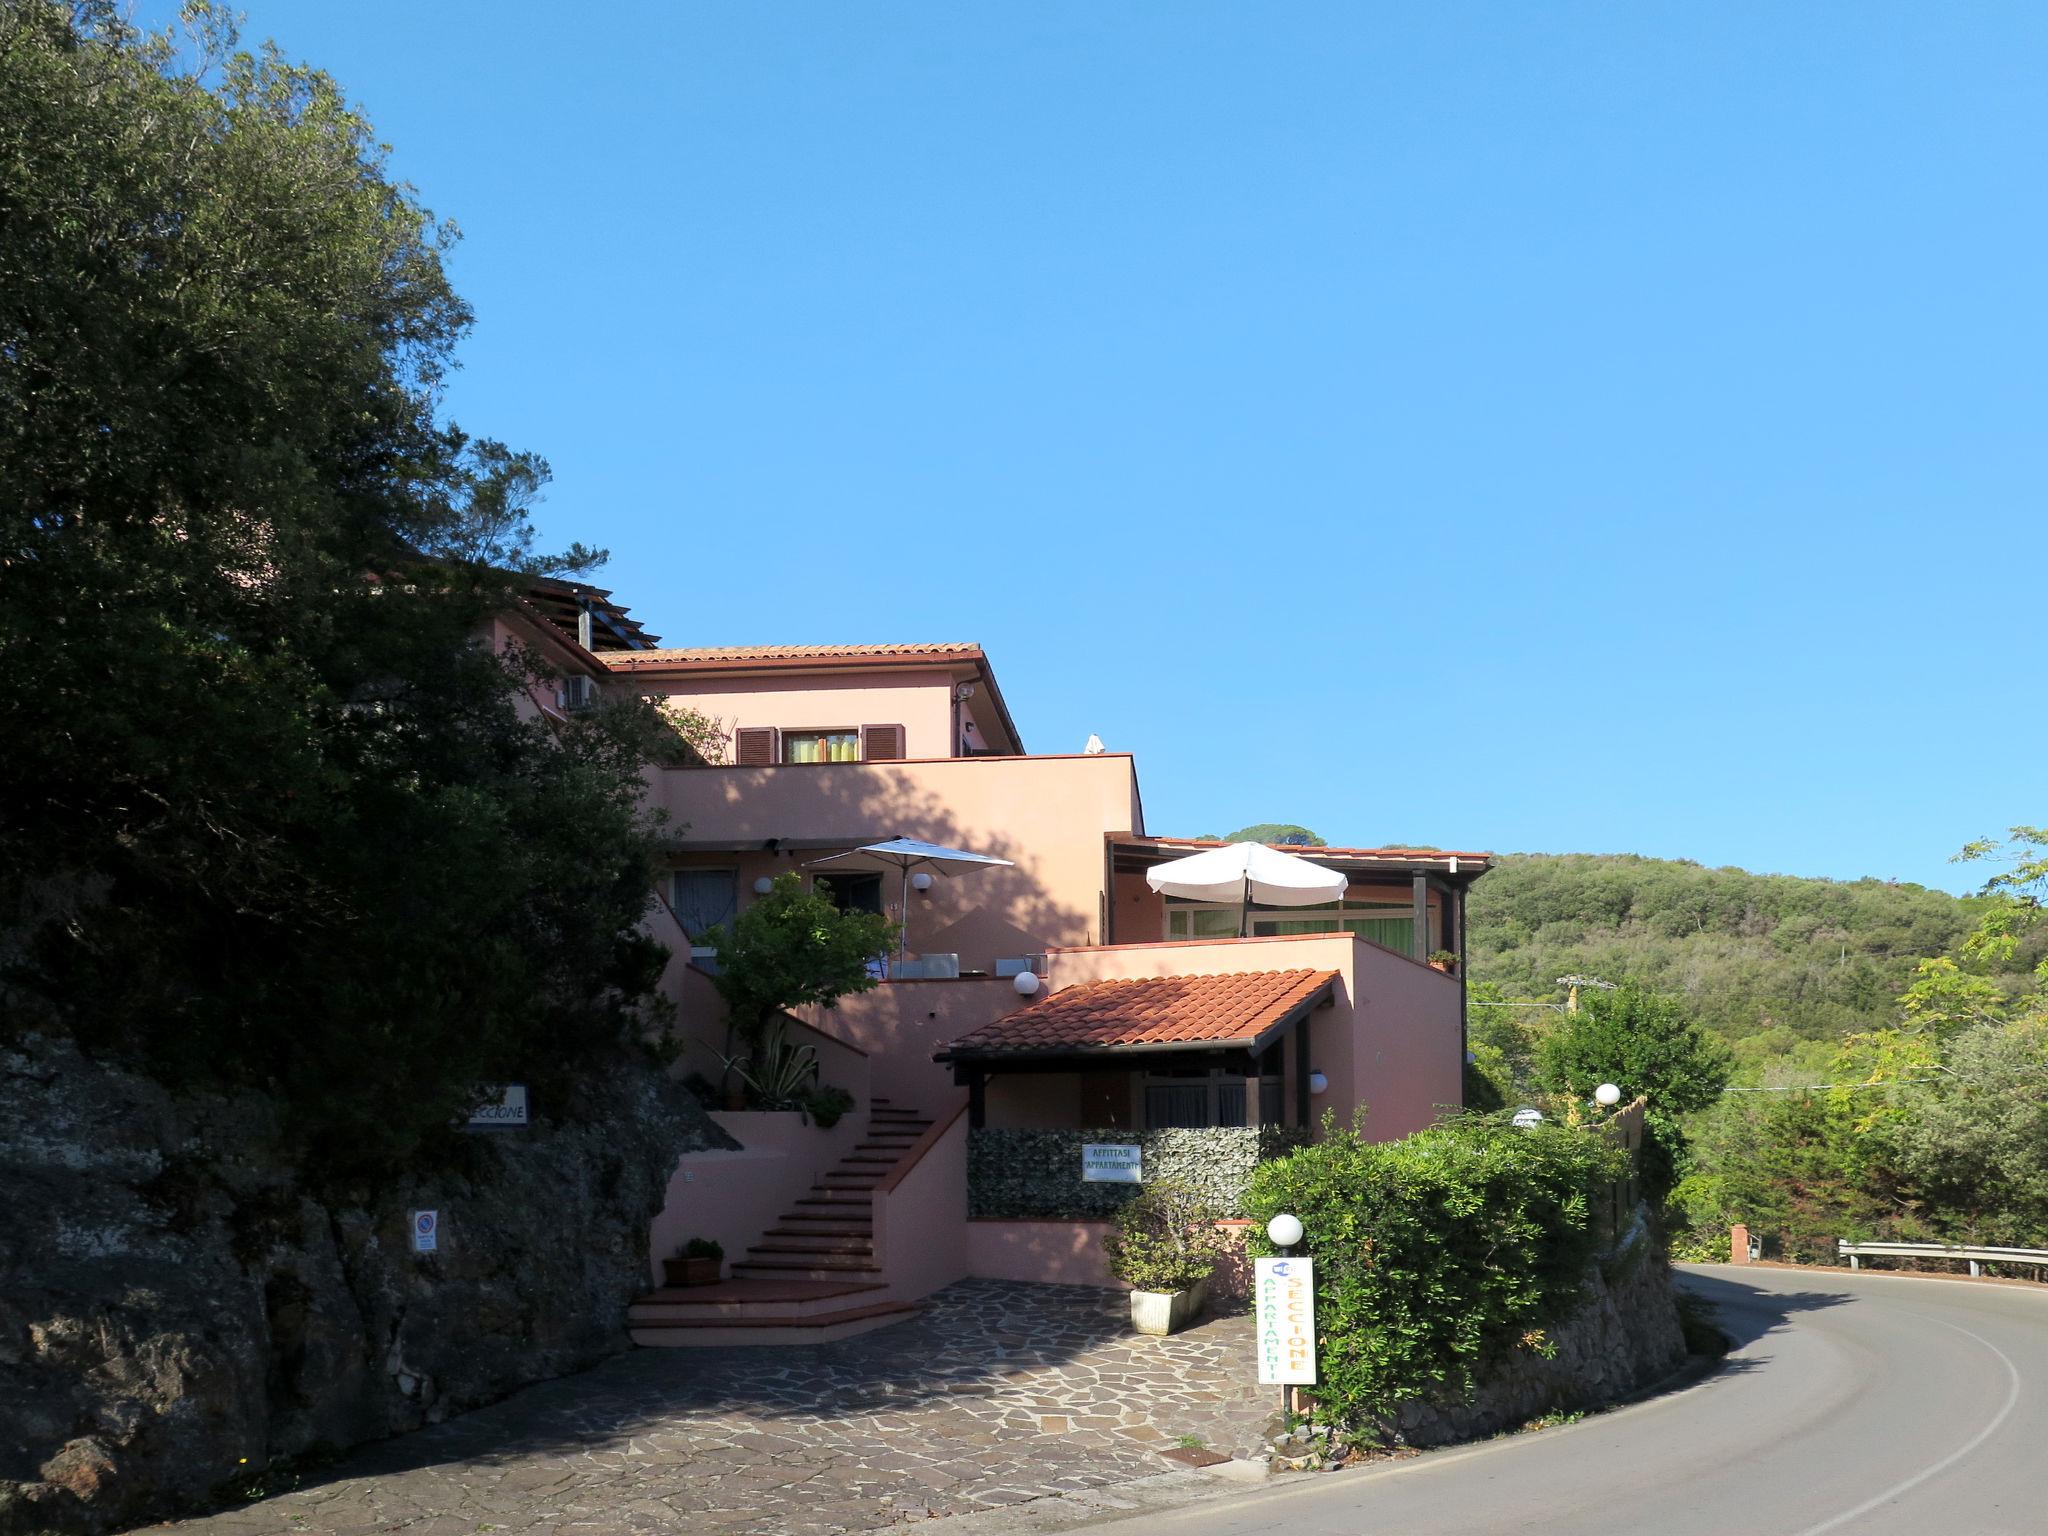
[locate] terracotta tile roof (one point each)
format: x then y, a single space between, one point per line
718 653
1152 1010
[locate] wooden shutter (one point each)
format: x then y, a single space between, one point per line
753 746
881 743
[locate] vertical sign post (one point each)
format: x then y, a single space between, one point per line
1284 1292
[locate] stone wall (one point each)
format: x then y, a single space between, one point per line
1624 1336
175 1313
1015 1173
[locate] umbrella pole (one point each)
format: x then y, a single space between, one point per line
903 928
1244 910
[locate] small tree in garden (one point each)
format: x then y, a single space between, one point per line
1165 1239
1644 1043
790 948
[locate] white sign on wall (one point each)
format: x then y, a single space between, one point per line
426 1231
509 1108
1284 1303
1111 1163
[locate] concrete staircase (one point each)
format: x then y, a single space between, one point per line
814 1276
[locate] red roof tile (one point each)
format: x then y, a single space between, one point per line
1152 1010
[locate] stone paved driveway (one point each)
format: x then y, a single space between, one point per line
997 1394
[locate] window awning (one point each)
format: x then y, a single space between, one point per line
1247 1011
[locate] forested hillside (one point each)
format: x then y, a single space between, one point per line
1766 960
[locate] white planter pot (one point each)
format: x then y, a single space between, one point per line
1164 1312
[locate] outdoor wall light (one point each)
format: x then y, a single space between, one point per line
1317 1083
1026 983
1607 1095
1284 1231
763 886
921 881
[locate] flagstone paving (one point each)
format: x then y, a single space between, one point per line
997 1394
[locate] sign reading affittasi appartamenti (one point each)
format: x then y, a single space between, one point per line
1112 1163
1284 1303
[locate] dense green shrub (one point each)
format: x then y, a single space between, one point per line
1436 1254
1165 1240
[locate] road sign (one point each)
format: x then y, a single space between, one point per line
1284 1305
426 1231
1104 1163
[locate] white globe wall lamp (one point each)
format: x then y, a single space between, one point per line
1317 1083
921 881
1026 983
764 885
1284 1231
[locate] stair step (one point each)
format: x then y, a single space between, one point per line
780 1295
838 1223
812 1249
855 1199
804 1269
867 1162
809 1242
820 1329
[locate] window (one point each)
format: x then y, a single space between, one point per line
852 893
703 898
1204 1096
1383 923
821 746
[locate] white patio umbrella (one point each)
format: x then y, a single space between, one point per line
906 853
1245 873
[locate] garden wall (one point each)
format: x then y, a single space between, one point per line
1037 1174
1624 1336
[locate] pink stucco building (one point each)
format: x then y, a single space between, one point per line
1143 1020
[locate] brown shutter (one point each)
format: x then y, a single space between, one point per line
753 746
881 743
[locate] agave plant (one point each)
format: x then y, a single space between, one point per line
778 1075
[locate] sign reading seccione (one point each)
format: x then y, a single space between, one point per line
1284 1302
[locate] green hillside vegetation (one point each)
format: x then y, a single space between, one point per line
1779 966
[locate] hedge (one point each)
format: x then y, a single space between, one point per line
1437 1254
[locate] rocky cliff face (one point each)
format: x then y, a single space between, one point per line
1623 1336
175 1312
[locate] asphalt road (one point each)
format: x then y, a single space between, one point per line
1864 1404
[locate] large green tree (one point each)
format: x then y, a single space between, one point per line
1646 1044
267 814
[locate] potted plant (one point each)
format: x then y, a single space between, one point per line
1444 960
826 1104
697 1262
1164 1247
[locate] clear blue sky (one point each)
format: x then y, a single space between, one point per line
1606 427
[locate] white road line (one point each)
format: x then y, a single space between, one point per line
2012 1398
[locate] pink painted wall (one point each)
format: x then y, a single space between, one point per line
735 1196
1071 1253
900 1023
508 630
700 1026
1047 1252
921 702
1049 815
921 1216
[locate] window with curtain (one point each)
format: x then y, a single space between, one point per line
704 898
1391 927
821 746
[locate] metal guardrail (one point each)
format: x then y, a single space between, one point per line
1977 1258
